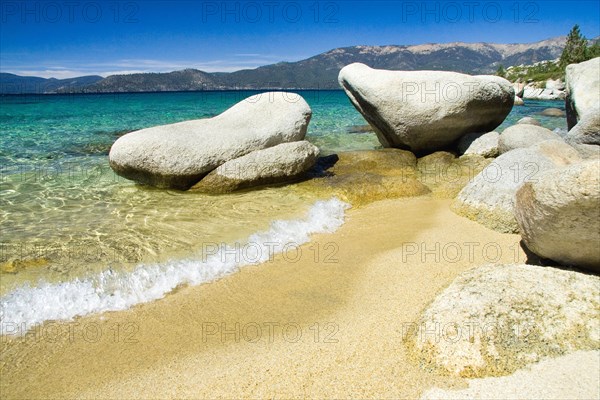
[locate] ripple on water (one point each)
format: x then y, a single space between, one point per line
64 213
78 229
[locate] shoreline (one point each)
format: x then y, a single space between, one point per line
327 324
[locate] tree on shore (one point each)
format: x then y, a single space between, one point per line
501 71
576 49
593 51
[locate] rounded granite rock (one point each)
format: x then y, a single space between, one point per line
489 197
179 155
583 90
483 144
495 319
278 164
425 111
559 215
587 130
524 135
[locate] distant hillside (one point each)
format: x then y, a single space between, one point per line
321 71
15 84
187 79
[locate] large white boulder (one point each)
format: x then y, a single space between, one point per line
524 135
559 215
282 163
424 111
489 197
179 155
583 90
495 319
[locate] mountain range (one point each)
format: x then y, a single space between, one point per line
317 72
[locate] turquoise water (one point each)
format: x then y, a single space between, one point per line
64 214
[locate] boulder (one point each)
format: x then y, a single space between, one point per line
535 93
524 135
519 101
179 155
558 215
529 121
553 112
587 130
483 144
519 87
278 164
489 197
555 84
424 111
583 90
495 319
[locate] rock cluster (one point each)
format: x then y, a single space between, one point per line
180 155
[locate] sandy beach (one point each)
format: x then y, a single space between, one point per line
324 321
300 200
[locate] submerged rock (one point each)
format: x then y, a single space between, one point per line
495 319
360 129
179 155
362 177
489 197
529 121
558 215
15 265
524 135
446 175
425 111
483 144
282 163
553 112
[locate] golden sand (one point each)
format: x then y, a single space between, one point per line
327 325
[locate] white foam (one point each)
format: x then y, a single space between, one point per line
112 291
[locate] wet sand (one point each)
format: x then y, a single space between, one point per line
322 322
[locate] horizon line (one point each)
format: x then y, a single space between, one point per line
104 75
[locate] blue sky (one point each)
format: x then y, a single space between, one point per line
70 38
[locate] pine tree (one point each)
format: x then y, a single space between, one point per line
593 51
576 48
501 71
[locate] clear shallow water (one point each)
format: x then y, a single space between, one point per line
65 215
